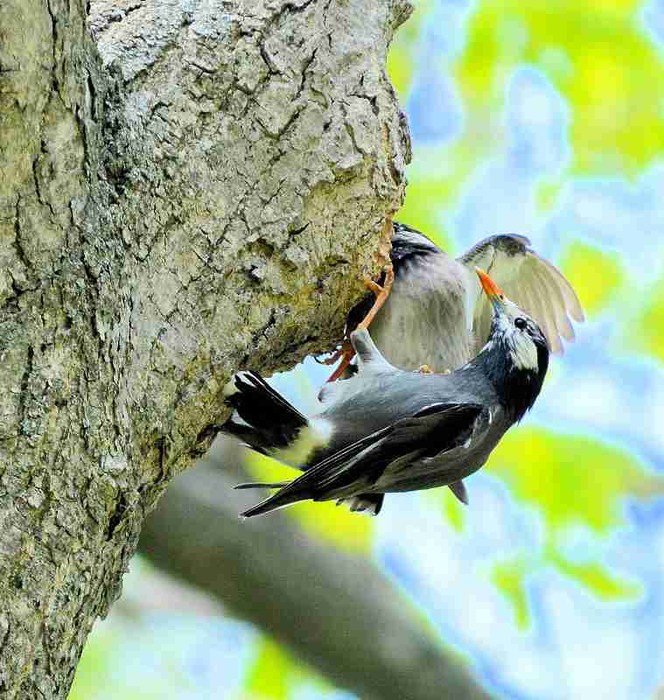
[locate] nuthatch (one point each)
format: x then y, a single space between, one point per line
386 429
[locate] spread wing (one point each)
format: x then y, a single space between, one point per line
530 281
434 429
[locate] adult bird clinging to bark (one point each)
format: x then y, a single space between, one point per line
386 429
436 315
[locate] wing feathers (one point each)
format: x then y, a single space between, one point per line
558 308
572 303
537 302
531 282
356 467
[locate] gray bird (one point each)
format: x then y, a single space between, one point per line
386 429
435 313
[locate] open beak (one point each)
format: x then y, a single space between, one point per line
491 289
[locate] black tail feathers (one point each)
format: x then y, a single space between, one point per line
369 503
269 421
274 502
261 485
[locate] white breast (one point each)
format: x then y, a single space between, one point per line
426 317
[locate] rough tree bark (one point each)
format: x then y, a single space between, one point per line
189 187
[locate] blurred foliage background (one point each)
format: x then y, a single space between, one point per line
544 118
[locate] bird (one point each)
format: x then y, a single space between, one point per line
433 313
386 429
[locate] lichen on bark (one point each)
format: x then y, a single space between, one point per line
186 188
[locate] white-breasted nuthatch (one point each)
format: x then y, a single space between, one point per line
436 315
386 429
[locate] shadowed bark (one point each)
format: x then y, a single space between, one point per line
337 612
186 188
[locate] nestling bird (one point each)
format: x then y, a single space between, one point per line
386 429
436 315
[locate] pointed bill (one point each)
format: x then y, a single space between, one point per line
494 293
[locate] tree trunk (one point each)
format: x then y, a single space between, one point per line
192 188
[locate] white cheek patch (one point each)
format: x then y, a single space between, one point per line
523 351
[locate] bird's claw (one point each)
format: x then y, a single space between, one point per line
373 286
378 289
334 356
381 293
346 353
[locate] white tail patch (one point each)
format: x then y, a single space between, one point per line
231 388
312 437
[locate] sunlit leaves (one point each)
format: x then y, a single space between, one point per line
402 58
428 190
508 577
571 482
649 331
598 57
270 676
93 668
597 579
511 578
595 274
569 479
276 675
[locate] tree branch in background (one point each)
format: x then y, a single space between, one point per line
335 611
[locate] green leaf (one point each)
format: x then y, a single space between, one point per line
271 673
571 480
595 54
648 336
596 275
596 579
509 579
402 56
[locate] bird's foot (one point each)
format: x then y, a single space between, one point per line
345 354
381 293
334 357
424 369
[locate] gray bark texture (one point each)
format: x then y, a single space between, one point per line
186 187
335 611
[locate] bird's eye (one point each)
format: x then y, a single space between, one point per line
520 323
